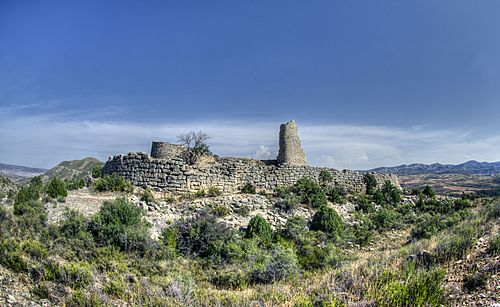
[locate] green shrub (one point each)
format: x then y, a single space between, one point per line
476 280
336 195
248 188
315 257
200 193
220 210
429 191
113 183
203 236
385 218
56 188
41 291
309 192
148 196
233 279
287 204
81 298
260 228
295 228
97 171
327 220
34 249
325 177
281 264
213 192
494 245
365 204
120 223
75 184
73 274
168 239
427 226
11 255
243 211
456 244
115 287
31 212
413 288
371 183
73 224
363 234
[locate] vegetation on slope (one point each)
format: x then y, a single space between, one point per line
109 257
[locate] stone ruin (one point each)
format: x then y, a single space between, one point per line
290 152
166 169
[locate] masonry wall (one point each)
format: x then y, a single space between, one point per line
227 174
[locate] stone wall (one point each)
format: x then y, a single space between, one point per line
227 174
290 152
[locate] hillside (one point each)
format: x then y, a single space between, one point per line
468 168
18 173
302 245
68 170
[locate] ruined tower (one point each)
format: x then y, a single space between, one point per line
290 152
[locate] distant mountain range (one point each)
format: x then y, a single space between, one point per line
65 170
468 168
18 172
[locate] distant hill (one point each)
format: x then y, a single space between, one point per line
19 173
68 170
468 168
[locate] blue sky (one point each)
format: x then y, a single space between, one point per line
370 83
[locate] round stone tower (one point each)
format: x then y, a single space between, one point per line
164 150
290 152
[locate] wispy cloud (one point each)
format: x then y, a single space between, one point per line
45 141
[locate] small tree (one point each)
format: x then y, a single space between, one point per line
259 227
428 191
56 188
325 177
196 144
371 183
328 221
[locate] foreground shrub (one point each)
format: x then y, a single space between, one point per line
203 236
213 192
73 224
258 227
113 183
75 275
75 184
97 171
385 218
309 192
315 257
280 264
11 255
56 188
456 244
34 249
120 223
248 189
327 220
220 210
148 196
414 288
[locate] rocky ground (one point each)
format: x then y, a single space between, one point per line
236 210
478 267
